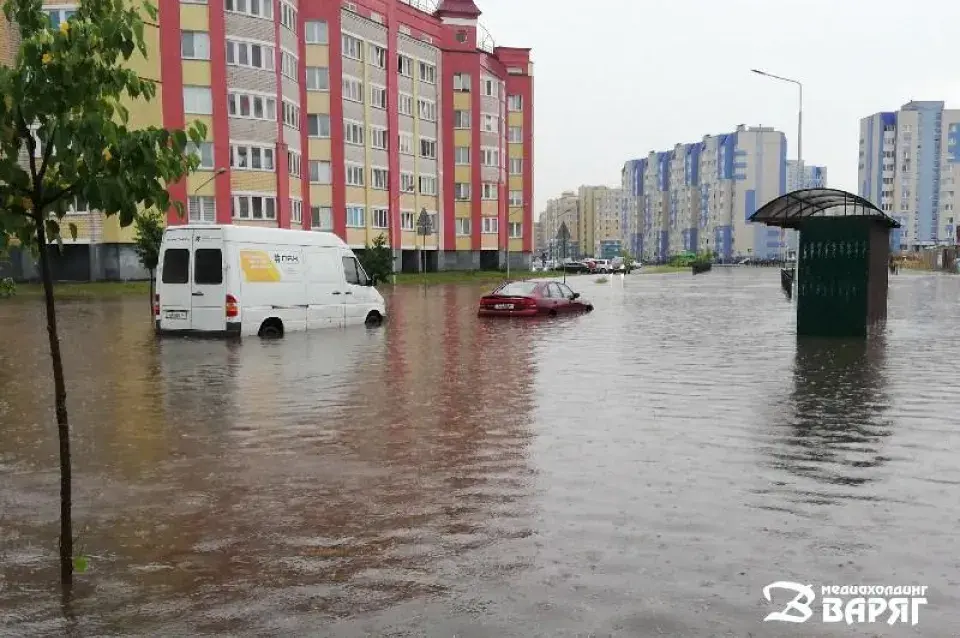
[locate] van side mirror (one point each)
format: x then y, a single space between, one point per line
372 280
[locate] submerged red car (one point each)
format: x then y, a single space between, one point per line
531 298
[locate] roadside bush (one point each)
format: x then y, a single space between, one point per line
8 287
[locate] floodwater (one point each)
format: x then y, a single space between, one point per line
644 470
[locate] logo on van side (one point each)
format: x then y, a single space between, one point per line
286 259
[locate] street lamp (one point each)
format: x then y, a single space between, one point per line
218 173
799 130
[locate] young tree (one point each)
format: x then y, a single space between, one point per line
378 259
150 225
64 134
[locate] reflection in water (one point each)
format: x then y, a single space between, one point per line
836 412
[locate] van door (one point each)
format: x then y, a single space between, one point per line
173 280
208 288
355 292
325 288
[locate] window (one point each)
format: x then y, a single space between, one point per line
516 165
320 172
201 210
428 73
293 163
380 218
251 158
354 272
204 152
352 89
427 110
405 104
490 225
288 64
378 138
516 134
195 45
490 87
288 16
516 230
489 191
353 133
318 125
515 102
254 207
378 97
59 16
315 32
296 211
354 175
255 8
428 185
249 54
428 148
255 107
461 155
407 183
461 119
463 226
490 157
491 124
516 198
352 47
405 65
318 78
378 56
291 115
380 179
197 100
461 191
321 218
406 143
176 266
461 82
356 217
406 220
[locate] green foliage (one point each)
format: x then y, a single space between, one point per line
8 287
81 564
377 260
628 260
149 225
63 123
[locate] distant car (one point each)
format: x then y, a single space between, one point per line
532 298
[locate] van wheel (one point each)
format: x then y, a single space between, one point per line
271 329
374 318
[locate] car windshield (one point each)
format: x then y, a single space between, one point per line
516 289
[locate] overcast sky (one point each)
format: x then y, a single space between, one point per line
615 79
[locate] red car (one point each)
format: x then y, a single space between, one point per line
532 298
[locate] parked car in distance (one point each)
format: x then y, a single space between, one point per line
531 298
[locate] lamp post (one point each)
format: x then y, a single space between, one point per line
799 126
218 173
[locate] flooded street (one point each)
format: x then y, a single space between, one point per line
643 470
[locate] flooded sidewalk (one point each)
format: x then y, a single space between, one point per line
642 470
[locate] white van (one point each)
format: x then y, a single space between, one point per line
246 281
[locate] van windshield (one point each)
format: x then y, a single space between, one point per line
176 266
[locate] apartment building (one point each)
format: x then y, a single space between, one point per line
356 117
809 176
909 167
563 210
698 197
599 218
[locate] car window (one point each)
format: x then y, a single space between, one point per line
546 291
351 270
566 291
176 266
555 291
516 289
208 267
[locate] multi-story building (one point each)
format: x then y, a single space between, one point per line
909 167
698 197
809 176
599 221
356 117
631 185
564 210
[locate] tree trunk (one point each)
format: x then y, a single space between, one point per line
63 424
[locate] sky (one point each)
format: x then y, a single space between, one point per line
615 79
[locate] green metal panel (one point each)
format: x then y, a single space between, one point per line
833 277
